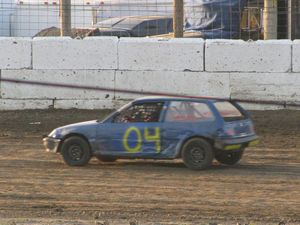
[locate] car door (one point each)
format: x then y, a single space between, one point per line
184 119
135 131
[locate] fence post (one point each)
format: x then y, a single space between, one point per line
65 17
270 19
178 18
94 15
292 19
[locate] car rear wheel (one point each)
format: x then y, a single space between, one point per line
197 154
229 158
106 158
75 151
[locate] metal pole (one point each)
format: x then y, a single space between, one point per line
291 19
178 18
270 19
65 17
289 15
10 24
94 15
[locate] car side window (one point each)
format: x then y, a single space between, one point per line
185 111
145 112
139 30
146 28
170 26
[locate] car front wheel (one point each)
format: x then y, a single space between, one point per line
197 154
229 158
75 151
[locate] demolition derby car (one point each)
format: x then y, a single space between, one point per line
196 130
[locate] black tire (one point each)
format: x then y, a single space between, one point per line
103 158
75 151
229 158
197 154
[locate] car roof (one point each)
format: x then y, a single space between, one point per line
128 22
138 18
146 17
166 98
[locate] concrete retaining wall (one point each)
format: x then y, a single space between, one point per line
241 56
182 83
66 53
296 56
262 70
15 53
75 77
266 86
161 54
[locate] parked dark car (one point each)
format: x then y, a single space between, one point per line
134 26
196 130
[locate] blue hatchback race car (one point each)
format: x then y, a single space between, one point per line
196 130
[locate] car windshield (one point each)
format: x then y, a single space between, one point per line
109 116
228 111
123 23
109 22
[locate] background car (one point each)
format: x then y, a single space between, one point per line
160 128
134 26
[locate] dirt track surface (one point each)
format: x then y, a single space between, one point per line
36 187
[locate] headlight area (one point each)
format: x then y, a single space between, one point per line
51 142
53 134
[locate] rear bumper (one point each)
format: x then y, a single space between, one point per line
51 144
228 144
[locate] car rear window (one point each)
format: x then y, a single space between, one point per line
185 111
228 111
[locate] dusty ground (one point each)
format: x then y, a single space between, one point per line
37 188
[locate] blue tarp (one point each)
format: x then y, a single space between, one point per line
214 18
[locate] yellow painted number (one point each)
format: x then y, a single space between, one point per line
153 138
148 137
138 146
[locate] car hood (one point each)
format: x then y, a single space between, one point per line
81 124
109 32
87 129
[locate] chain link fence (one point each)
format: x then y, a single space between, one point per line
230 19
